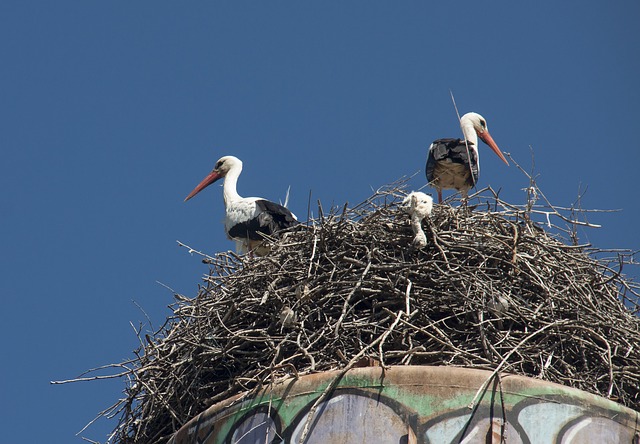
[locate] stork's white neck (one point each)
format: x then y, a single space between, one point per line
470 135
229 191
469 131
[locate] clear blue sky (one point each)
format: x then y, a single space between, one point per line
111 112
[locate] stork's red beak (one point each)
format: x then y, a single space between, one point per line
212 177
486 138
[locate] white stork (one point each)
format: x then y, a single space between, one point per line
454 163
247 219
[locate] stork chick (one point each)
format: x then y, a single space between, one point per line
418 205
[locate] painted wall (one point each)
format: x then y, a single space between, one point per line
415 404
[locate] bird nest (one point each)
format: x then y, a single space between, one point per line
493 289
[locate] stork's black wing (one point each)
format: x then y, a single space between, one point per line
271 217
453 151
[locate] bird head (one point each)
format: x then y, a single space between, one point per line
479 124
220 170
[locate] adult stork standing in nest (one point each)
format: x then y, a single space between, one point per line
454 163
247 219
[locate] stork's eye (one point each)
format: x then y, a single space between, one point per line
218 165
483 124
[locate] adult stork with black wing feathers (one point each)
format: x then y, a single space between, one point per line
454 163
247 219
